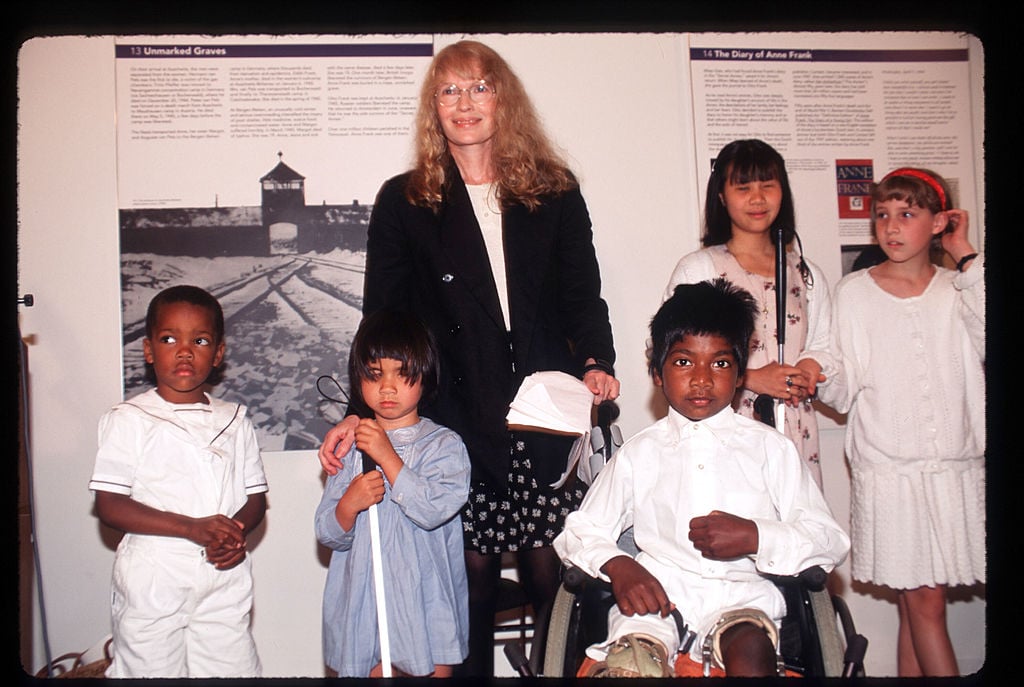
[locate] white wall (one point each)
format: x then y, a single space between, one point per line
628 151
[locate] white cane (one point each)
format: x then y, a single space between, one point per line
378 585
780 319
378 581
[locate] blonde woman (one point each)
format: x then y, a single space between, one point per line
488 240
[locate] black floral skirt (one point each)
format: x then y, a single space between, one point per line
526 515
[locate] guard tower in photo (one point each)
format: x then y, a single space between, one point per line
283 199
282 224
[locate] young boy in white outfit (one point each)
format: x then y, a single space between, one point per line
715 500
179 472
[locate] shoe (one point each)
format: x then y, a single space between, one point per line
634 655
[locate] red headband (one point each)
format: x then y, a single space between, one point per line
923 176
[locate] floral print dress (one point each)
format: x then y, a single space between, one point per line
801 423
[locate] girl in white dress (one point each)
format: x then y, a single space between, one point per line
910 337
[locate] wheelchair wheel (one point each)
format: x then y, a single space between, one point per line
557 650
578 618
831 640
856 644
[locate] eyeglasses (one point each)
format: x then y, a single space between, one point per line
479 93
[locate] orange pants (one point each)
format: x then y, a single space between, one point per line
685 667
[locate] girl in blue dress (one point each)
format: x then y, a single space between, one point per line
419 484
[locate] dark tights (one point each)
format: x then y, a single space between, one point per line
538 571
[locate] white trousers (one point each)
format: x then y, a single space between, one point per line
175 615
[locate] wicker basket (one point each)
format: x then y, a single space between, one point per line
78 665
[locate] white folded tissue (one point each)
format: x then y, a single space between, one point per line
556 402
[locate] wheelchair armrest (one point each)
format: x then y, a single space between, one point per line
575 580
813 578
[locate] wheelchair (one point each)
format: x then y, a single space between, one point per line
817 637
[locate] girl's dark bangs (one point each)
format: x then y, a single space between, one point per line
412 368
745 170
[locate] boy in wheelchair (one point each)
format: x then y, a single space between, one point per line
715 501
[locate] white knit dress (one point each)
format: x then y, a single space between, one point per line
912 379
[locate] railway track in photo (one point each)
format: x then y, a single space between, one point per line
289 319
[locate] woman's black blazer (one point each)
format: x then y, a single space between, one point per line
435 265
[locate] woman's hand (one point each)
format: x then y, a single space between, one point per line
603 385
372 439
337 443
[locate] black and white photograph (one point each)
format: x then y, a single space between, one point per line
290 280
277 235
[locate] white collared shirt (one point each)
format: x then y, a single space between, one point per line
196 459
678 469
